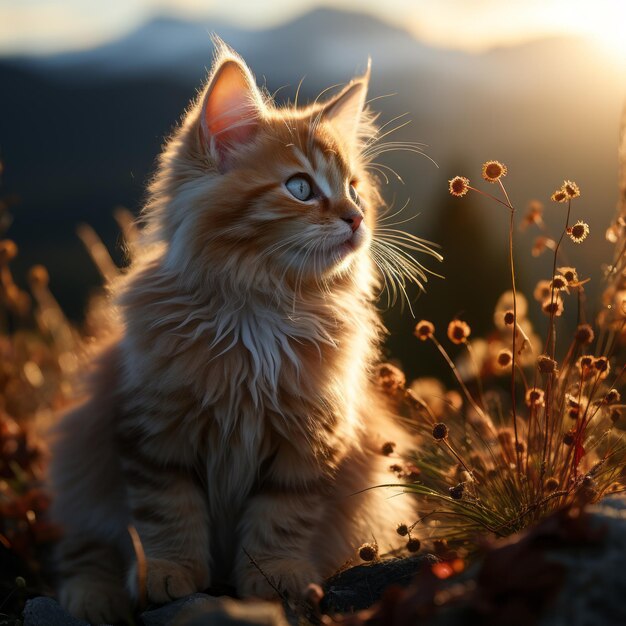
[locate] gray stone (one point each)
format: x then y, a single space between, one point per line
198 609
48 612
594 592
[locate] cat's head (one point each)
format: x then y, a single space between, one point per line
247 190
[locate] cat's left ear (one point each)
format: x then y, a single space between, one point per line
344 111
232 107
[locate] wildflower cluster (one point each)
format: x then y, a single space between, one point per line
494 463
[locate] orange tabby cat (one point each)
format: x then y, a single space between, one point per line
235 413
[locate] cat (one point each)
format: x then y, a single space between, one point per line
233 420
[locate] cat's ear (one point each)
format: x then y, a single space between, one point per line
232 107
344 111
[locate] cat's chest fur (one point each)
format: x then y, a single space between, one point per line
214 383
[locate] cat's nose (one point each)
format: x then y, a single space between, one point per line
353 220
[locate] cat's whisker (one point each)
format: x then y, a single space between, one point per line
377 166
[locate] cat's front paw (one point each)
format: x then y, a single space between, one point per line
288 579
166 580
96 600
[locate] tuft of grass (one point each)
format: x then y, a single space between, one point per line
537 425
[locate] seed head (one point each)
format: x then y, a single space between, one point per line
459 186
568 438
38 276
534 397
542 290
559 283
545 364
402 530
534 213
551 484
612 396
8 251
602 365
390 378
413 544
440 431
388 447
456 492
368 551
584 334
570 274
493 171
578 232
395 468
541 244
505 358
553 306
571 189
424 330
458 331
559 196
509 318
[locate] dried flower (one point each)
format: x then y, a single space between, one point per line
390 378
551 484
602 365
534 397
8 251
505 358
541 244
459 186
559 196
424 330
413 544
553 306
456 492
612 396
388 447
542 290
368 551
570 274
440 431
545 364
534 214
38 276
559 283
571 189
568 438
458 331
493 171
584 334
509 318
578 232
402 530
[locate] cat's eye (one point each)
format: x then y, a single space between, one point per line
354 194
300 188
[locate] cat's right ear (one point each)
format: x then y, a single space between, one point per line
231 111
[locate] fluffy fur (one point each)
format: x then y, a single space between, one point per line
235 412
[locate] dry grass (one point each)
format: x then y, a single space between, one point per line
532 428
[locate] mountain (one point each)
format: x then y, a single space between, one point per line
79 132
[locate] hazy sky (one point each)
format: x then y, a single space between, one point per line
53 25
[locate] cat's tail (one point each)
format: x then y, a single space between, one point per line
89 502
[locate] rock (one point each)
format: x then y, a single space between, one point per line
198 609
48 612
594 591
361 586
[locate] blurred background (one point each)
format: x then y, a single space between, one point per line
89 90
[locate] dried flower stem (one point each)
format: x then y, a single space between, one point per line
466 391
514 351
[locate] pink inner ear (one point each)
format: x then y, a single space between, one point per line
230 112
